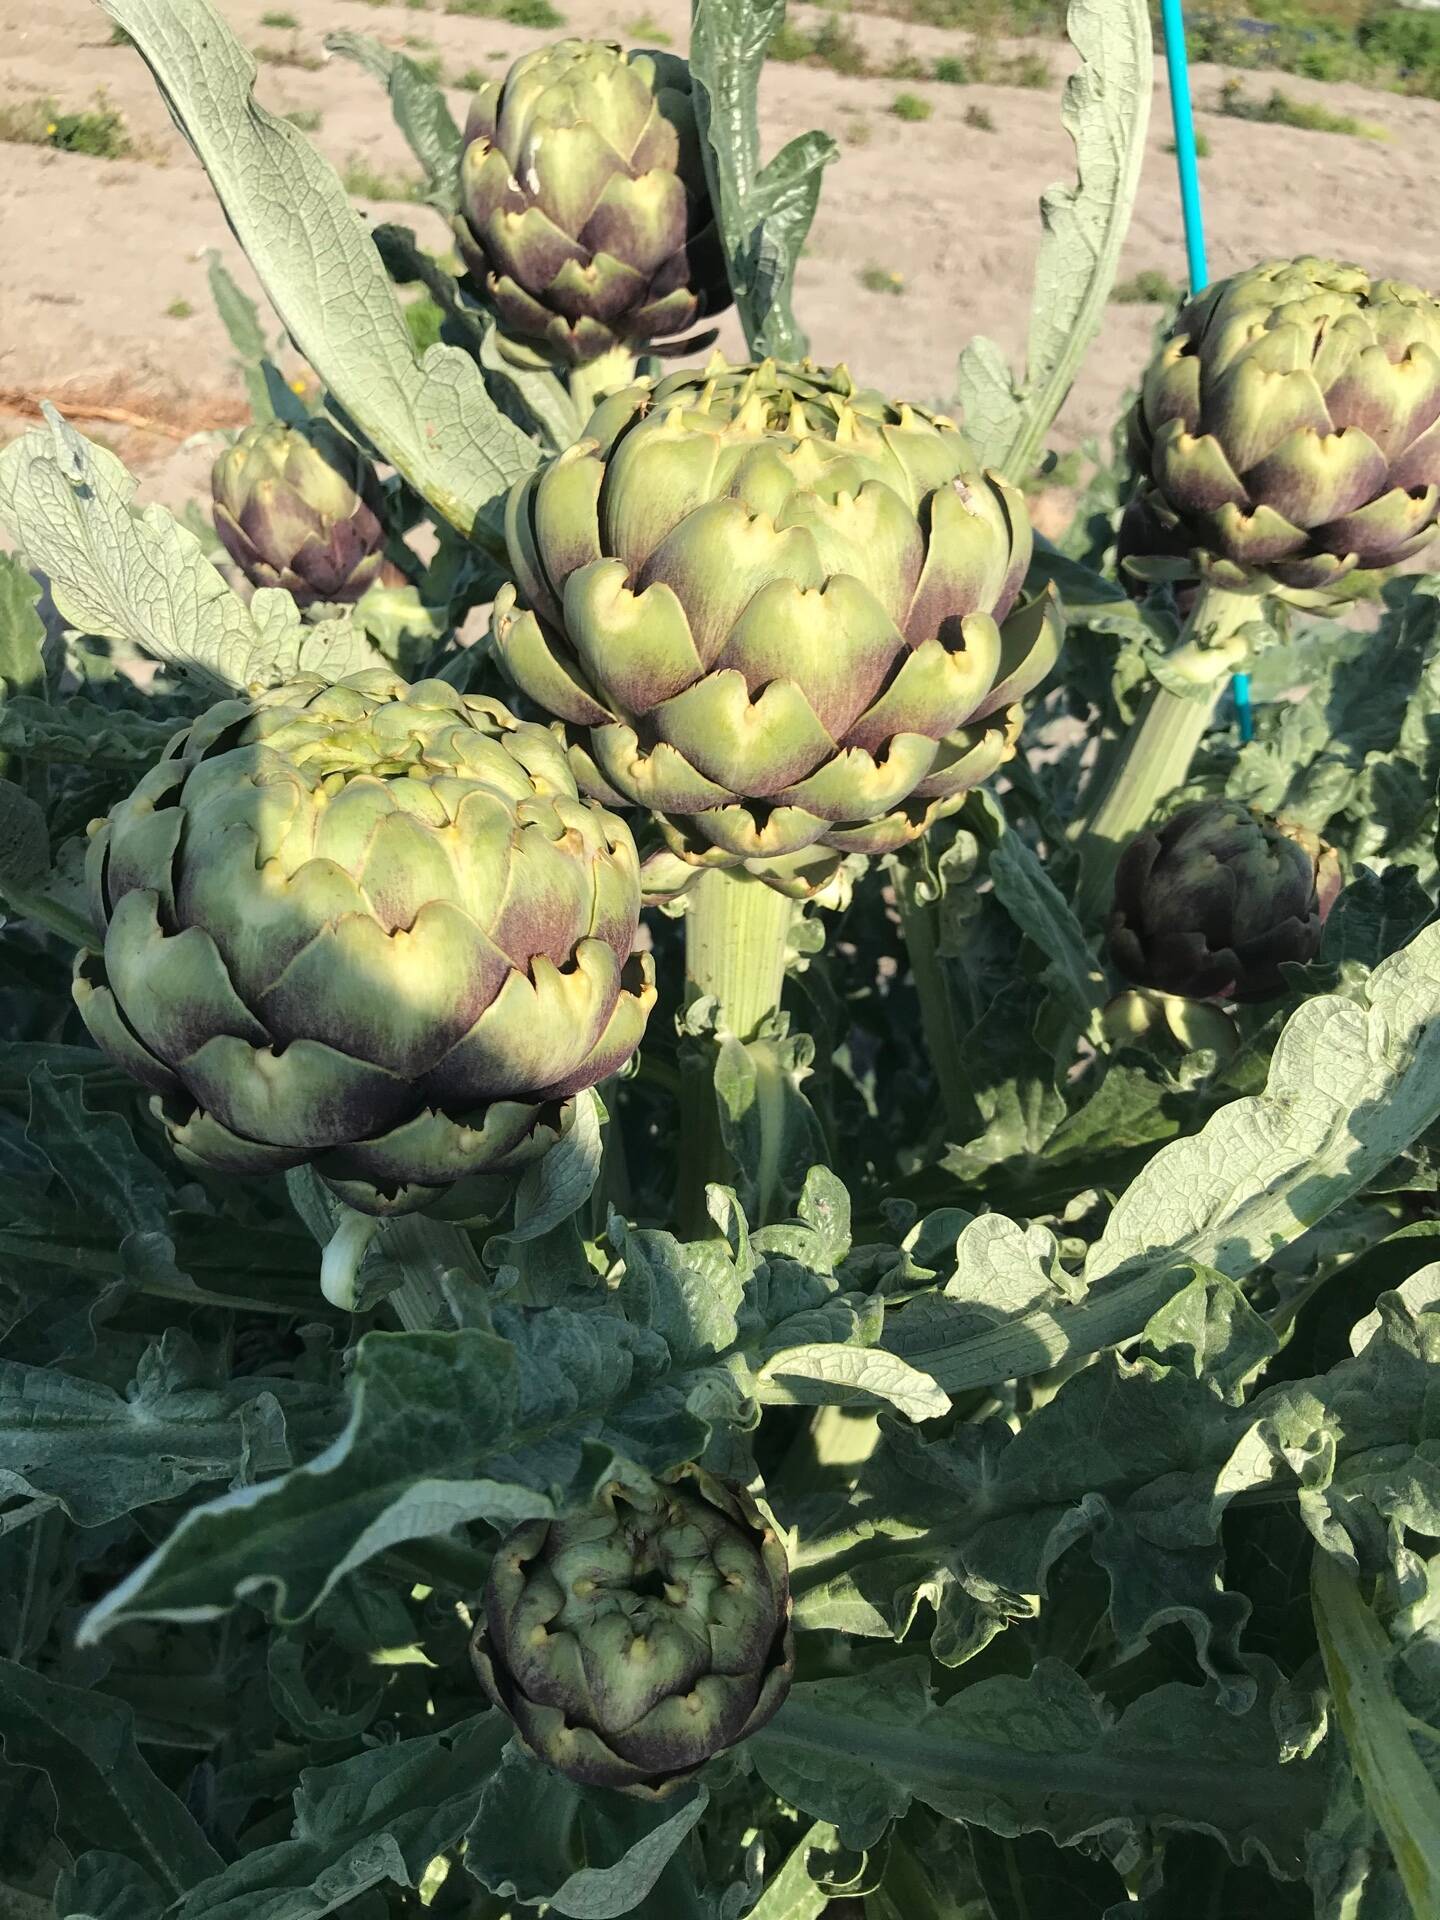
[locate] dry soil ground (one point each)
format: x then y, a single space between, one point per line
103 298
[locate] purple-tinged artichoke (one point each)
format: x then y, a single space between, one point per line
368 927
1213 902
632 1638
299 507
584 214
778 612
1288 432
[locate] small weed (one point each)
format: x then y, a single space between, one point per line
789 44
855 130
366 182
1149 287
645 28
179 310
101 132
416 6
539 14
951 73
470 79
424 319
1026 70
833 44
428 68
980 118
1281 110
305 119
292 56
907 66
417 43
282 22
910 106
881 280
1202 147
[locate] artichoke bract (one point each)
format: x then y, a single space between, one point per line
1287 434
299 507
370 927
767 606
1212 903
631 1639
584 212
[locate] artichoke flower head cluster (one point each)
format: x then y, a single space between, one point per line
1212 903
299 507
1287 434
585 220
632 1637
368 927
778 612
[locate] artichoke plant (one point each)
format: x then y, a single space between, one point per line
768 607
1214 901
632 1638
370 927
584 213
1287 434
299 507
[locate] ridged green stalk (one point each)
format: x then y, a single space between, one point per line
1156 757
919 922
736 937
590 382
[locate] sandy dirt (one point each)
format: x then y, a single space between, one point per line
98 252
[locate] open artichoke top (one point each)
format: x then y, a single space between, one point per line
1288 432
585 214
299 507
767 604
632 1638
368 926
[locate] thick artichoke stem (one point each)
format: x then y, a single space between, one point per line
1156 757
736 935
919 922
599 377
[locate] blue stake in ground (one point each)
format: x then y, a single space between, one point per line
1182 113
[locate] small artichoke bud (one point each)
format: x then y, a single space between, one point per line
1212 903
632 1638
1287 434
585 219
299 507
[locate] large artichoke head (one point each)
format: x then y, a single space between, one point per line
299 507
769 608
1288 432
1214 901
371 927
584 213
632 1638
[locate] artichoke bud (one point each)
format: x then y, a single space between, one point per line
585 220
777 611
300 507
633 1636
1287 434
1211 904
368 927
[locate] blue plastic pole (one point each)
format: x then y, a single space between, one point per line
1177 65
1182 112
